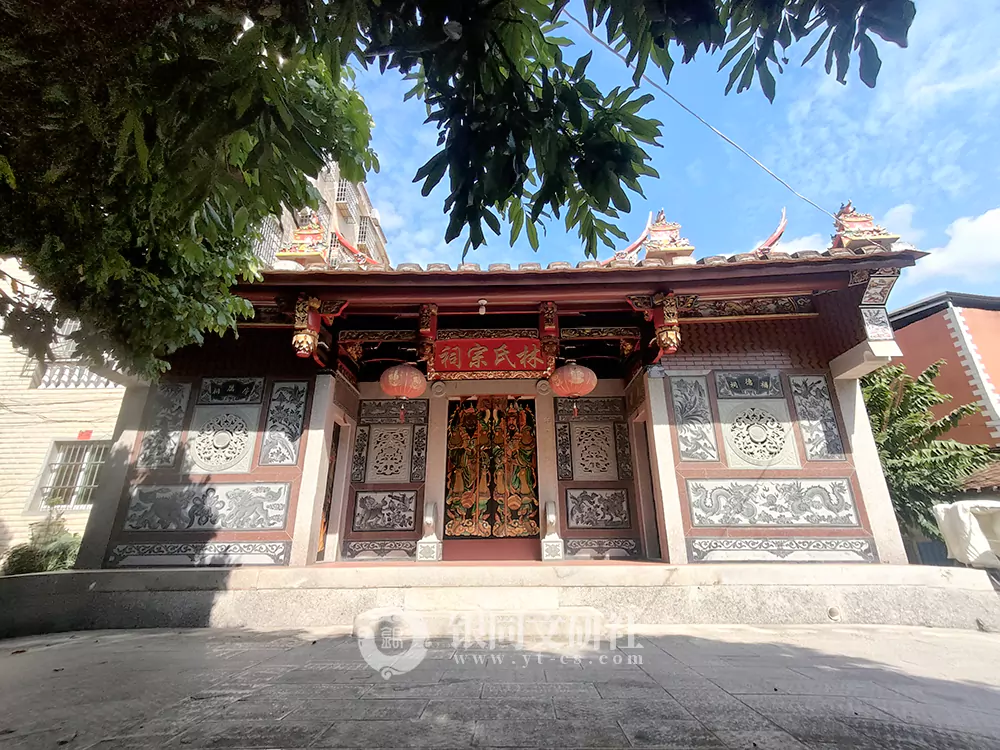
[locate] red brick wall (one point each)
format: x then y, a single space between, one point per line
923 343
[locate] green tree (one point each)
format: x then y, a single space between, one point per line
141 143
920 468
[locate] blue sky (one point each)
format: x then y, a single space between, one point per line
920 152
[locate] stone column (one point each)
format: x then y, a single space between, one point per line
432 523
874 491
341 486
110 492
315 467
670 522
549 506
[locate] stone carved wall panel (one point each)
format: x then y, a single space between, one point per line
877 325
758 433
597 509
594 453
213 507
389 453
782 549
418 456
564 452
359 460
623 450
283 430
221 439
231 391
392 510
161 441
773 502
817 420
693 414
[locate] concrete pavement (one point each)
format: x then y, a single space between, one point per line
712 688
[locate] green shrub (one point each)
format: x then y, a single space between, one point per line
52 547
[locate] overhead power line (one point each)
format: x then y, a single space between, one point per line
694 114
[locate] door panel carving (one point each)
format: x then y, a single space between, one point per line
492 488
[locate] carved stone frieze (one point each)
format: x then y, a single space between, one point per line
391 549
231 391
817 420
772 502
600 332
212 507
197 554
283 429
758 549
693 415
386 411
376 336
597 509
393 510
163 438
590 409
446 334
600 548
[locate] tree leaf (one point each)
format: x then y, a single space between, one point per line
871 63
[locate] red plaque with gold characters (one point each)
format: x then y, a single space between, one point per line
489 358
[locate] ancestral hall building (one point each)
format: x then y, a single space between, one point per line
726 423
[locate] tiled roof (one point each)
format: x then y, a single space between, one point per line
985 479
743 259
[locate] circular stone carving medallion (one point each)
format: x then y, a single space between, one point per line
222 442
757 435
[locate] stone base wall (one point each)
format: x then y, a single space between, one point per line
648 595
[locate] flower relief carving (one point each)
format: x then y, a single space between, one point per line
594 454
564 452
359 459
221 442
597 509
389 454
283 431
385 511
695 426
758 435
161 441
814 408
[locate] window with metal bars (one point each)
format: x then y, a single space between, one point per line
71 475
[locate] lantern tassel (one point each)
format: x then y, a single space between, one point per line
576 411
402 412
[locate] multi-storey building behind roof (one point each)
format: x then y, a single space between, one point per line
964 331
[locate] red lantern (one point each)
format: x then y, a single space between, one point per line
403 382
573 381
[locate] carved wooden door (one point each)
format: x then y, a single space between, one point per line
492 479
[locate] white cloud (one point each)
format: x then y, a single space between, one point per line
808 242
899 220
971 255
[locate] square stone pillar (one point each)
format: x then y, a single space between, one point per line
110 492
315 469
549 505
432 521
874 491
670 521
